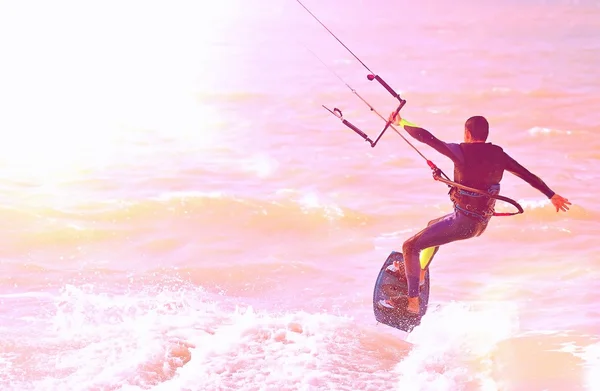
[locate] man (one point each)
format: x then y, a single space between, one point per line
477 164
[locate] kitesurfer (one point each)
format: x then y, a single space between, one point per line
477 164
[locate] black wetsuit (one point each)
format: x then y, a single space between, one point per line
477 165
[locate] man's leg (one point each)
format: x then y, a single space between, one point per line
447 229
426 255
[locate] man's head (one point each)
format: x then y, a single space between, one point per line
476 129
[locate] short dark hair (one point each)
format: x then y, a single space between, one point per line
478 127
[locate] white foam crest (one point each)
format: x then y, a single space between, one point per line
105 341
527 204
261 164
538 130
591 356
253 350
311 201
81 310
176 339
171 195
453 347
6 362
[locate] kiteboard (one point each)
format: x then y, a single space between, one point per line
391 282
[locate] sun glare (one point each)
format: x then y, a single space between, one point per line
78 77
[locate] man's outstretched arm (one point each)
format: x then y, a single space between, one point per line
559 202
423 136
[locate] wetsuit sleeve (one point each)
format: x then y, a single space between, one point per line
515 168
426 137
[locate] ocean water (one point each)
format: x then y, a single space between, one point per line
180 213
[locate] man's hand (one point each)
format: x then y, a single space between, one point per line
395 120
560 203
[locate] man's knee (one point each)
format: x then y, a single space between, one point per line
409 245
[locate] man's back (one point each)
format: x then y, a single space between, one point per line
478 165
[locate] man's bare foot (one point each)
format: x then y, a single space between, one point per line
413 305
394 268
393 303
